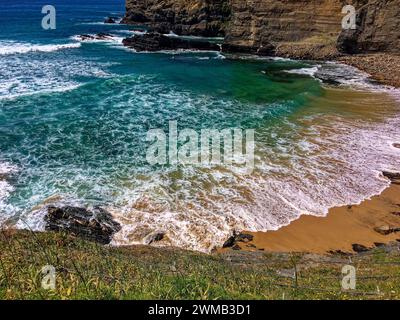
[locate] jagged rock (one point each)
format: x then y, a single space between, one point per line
154 237
190 17
99 36
393 176
264 50
237 237
229 243
359 248
110 20
157 42
348 41
379 244
297 29
96 225
244 237
385 230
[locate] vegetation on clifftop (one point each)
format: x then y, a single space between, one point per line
86 270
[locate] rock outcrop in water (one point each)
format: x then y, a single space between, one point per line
157 42
96 225
99 36
293 28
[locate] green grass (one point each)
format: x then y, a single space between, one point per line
86 270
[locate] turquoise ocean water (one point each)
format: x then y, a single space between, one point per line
74 117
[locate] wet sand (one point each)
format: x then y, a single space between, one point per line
343 227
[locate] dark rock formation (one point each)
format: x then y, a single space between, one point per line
385 230
378 25
99 36
393 176
310 29
157 42
229 242
263 50
154 237
111 20
359 248
232 241
96 225
205 18
244 237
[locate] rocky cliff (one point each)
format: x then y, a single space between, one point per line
378 28
184 17
296 28
290 27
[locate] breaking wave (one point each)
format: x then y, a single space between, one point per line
9 48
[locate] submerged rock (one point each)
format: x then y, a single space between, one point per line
110 20
99 36
157 42
96 225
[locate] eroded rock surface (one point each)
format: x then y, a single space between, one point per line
96 225
157 42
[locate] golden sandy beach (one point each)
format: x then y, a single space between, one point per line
343 227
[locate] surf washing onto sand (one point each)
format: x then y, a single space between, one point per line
74 117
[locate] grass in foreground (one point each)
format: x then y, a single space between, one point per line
86 270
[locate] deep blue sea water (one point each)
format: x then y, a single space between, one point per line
74 117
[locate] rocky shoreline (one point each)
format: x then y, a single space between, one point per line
291 29
154 41
369 229
383 67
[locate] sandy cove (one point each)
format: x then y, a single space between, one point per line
345 229
348 228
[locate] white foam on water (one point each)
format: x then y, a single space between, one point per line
349 76
311 71
10 47
305 164
23 75
109 39
6 169
66 88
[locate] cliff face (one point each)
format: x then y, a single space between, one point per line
296 28
257 24
184 17
378 28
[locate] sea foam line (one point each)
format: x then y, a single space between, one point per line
21 48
